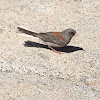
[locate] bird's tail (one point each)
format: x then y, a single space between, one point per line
28 32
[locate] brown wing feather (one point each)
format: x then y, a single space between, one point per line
58 35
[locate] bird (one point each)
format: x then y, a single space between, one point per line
52 39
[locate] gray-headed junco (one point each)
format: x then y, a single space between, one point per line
53 39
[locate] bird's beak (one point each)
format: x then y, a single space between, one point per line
76 34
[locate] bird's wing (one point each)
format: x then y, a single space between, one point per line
58 35
52 37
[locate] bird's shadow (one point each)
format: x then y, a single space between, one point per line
67 49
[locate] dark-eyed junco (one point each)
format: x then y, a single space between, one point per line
53 39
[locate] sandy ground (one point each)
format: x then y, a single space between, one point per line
30 71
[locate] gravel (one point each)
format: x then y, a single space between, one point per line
30 70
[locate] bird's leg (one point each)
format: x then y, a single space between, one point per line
54 50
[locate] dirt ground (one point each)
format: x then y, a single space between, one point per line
31 71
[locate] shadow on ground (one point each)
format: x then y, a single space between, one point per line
67 49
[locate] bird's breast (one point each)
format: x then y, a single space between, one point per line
54 45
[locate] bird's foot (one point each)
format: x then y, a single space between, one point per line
54 50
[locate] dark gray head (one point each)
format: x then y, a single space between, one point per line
68 33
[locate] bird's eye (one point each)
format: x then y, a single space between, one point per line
72 33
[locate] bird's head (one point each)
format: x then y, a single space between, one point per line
68 33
